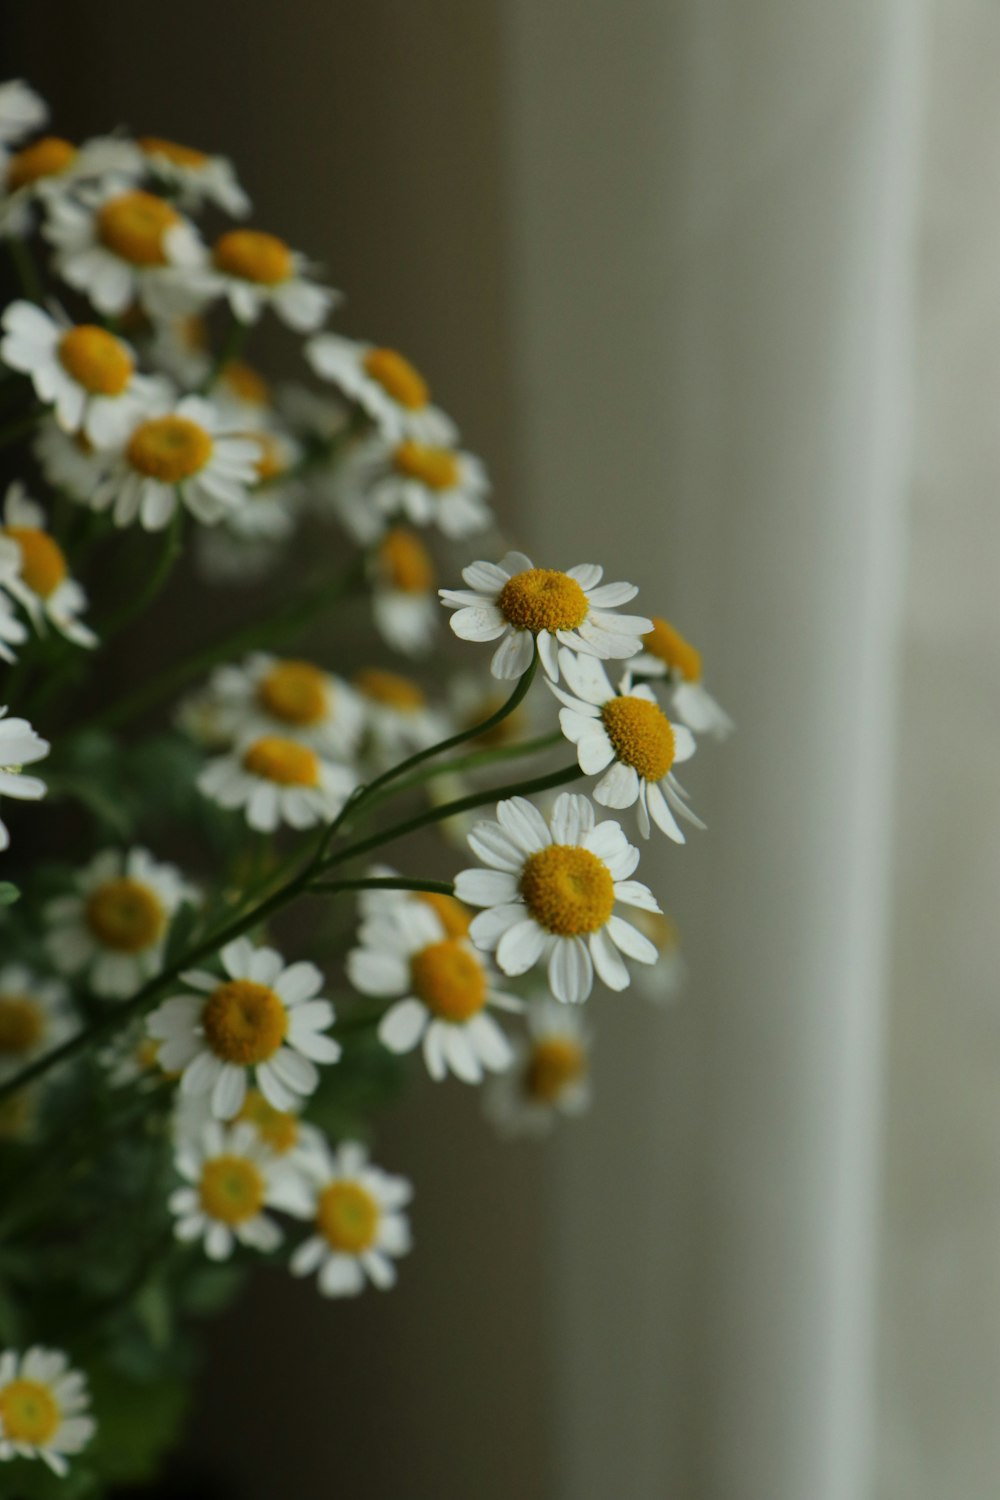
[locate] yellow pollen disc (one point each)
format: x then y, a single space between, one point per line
179 156
671 647
398 378
450 980
43 564
244 1022
555 1064
22 1024
45 158
389 688
29 1411
271 462
278 1128
437 468
543 599
295 692
231 1189
347 1216
253 256
453 916
96 360
169 449
246 383
567 890
641 735
134 226
405 562
125 915
284 761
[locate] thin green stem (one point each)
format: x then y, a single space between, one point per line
474 762
385 883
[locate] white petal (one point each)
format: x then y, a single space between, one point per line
486 887
631 941
521 946
572 817
522 821
608 962
401 1028
513 655
571 973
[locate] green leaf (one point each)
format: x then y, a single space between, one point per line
9 893
137 1422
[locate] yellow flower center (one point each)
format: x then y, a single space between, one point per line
125 915
405 563
567 890
253 256
453 916
284 761
169 449
398 378
450 980
134 226
45 158
96 360
272 460
231 1189
246 383
347 1217
671 647
43 563
543 599
277 1128
22 1024
179 156
555 1064
390 688
641 735
29 1412
437 468
244 1022
295 692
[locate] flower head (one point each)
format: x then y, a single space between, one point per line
51 167
272 695
404 580
384 384
426 484
193 175
19 746
34 570
43 1405
549 1077
277 779
358 1227
35 1016
666 653
231 1180
254 270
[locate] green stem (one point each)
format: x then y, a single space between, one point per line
385 883
475 761
27 271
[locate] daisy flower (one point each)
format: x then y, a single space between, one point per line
84 373
117 245
375 904
423 484
194 176
399 717
358 1224
42 1408
667 654
665 980
191 455
180 348
441 989
550 887
21 111
19 746
628 737
403 599
231 1179
261 1016
52 166
384 384
277 779
242 390
114 928
35 1016
518 604
247 544
132 1058
550 1075
253 271
34 571
282 1132
70 463
271 695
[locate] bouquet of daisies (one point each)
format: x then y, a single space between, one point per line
251 880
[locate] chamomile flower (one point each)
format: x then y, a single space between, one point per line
254 271
282 1132
119 244
51 166
550 1075
231 1180
260 1016
194 176
420 483
84 373
384 384
441 988
399 718
113 929
666 979
518 604
191 455
241 391
277 780
403 599
180 348
132 1057
70 463
19 746
43 1406
667 654
550 889
383 904
34 571
21 111
358 1226
248 542
35 1016
628 737
271 695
